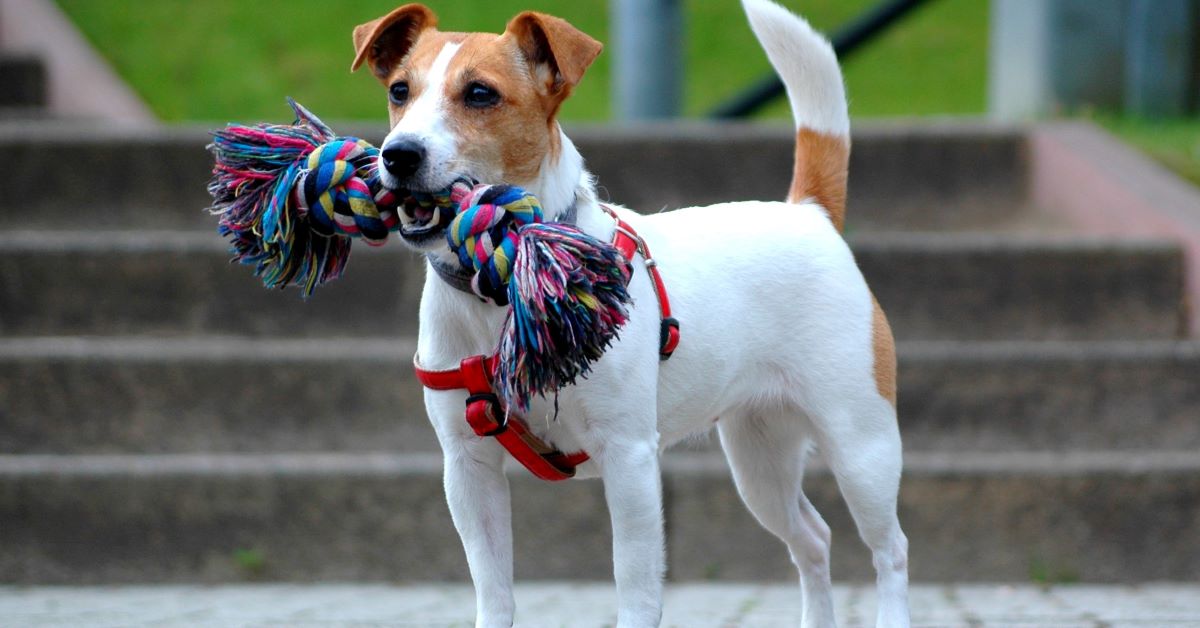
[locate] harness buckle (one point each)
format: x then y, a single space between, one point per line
482 412
668 338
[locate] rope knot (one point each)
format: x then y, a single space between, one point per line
485 234
341 193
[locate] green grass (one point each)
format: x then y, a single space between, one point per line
1173 143
223 60
1047 573
251 562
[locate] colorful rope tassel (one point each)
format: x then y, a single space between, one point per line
283 193
569 298
567 289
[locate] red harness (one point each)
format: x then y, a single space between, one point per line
487 416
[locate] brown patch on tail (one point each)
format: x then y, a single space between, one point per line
885 354
822 161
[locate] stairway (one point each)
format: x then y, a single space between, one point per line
163 418
24 94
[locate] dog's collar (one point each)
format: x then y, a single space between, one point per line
450 272
459 278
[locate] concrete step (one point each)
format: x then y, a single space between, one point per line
931 176
1094 517
993 287
210 394
933 287
24 79
176 283
78 395
22 116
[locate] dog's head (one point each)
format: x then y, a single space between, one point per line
475 105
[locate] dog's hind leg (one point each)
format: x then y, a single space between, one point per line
766 452
861 442
478 495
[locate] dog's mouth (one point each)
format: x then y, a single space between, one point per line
424 215
420 223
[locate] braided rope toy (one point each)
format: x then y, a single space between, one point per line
290 197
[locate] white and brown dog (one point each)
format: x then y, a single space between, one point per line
783 355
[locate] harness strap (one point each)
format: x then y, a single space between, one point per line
629 243
486 415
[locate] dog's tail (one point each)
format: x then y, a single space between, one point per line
809 69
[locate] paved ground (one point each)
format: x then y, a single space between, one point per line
688 605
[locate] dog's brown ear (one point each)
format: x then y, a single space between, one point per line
563 49
383 42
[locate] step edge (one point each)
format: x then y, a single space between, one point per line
197 240
674 464
401 348
217 348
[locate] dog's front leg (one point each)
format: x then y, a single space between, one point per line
633 490
477 492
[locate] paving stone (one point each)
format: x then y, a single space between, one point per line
687 605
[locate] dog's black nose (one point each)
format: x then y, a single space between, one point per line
403 158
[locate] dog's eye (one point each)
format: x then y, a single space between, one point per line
398 93
478 95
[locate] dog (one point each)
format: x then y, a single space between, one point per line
783 348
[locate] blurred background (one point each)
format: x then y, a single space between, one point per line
1020 203
223 60
220 60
